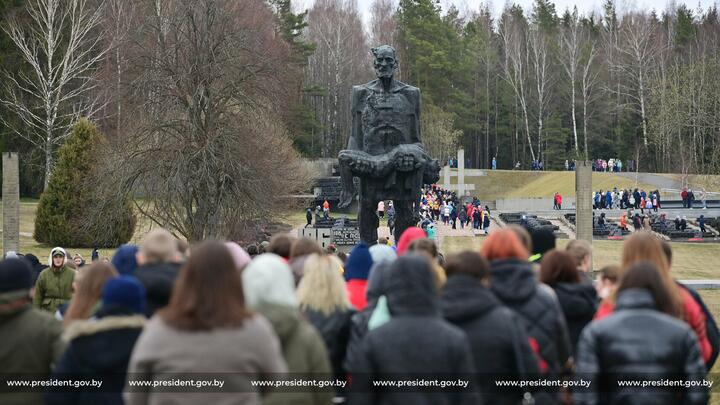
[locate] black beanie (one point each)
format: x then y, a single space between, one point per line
15 275
543 240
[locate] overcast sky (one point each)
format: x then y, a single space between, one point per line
584 6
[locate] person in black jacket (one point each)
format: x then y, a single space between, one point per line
158 266
35 264
416 342
101 347
514 283
497 336
640 341
578 299
324 303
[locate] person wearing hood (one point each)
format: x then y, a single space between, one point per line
429 249
54 284
376 288
125 260
578 299
407 237
324 302
357 271
701 224
35 266
543 240
497 336
158 266
642 340
31 338
269 289
415 341
206 328
514 283
102 345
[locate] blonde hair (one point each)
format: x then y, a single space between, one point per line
322 287
90 280
645 247
579 250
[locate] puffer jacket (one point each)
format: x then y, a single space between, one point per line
416 341
515 284
497 336
694 317
638 342
579 302
98 347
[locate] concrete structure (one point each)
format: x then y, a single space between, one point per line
446 176
11 202
461 172
583 199
532 204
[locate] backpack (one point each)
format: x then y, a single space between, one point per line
711 328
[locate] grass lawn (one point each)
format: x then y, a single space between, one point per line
28 208
516 184
690 260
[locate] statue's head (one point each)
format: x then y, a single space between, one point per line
385 62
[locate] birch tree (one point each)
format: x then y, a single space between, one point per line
63 45
569 58
512 35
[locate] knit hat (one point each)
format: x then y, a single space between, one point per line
407 237
15 275
359 263
125 260
125 292
381 253
269 279
239 255
57 251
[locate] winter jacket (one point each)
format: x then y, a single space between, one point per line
235 353
335 331
31 343
638 342
376 287
416 341
303 350
694 317
158 280
514 283
53 287
578 302
98 347
497 336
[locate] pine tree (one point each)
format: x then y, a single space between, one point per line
66 214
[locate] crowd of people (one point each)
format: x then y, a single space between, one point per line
627 199
437 204
382 312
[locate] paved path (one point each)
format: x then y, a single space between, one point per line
658 181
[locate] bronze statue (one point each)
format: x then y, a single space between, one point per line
385 149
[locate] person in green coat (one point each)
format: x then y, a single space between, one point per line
54 284
31 339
